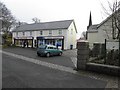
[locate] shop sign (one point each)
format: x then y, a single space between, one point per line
24 37
53 37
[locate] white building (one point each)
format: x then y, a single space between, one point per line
61 33
99 32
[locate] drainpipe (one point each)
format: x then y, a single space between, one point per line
119 43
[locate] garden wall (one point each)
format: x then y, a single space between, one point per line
83 64
101 68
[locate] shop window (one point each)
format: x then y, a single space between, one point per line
50 32
17 34
30 33
23 33
41 32
60 32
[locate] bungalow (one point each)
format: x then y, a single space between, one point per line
61 33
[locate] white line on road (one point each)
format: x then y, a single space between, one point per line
46 64
66 69
74 60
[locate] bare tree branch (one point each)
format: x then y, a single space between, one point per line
115 10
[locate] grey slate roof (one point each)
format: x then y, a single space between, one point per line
93 27
45 26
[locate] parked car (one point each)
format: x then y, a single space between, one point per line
48 50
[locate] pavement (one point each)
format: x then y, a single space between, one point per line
63 64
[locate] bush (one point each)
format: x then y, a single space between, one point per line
112 57
4 46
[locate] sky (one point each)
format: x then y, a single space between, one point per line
55 10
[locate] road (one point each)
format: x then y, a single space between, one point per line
64 60
18 73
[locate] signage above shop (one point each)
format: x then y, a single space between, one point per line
51 37
30 37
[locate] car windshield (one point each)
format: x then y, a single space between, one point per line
42 47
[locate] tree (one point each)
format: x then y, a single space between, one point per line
83 35
6 17
116 21
7 22
114 12
19 23
36 20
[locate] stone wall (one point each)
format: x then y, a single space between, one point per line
83 64
82 54
101 68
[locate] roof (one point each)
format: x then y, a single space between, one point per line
45 26
93 27
104 21
110 16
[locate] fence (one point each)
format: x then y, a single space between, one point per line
112 52
96 59
105 53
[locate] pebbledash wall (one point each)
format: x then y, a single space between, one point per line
83 64
62 33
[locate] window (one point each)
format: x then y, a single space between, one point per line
41 32
30 33
17 34
23 33
54 47
50 47
60 32
42 47
50 32
71 31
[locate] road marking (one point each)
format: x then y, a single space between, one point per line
46 64
74 60
67 69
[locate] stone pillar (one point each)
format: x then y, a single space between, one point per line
82 54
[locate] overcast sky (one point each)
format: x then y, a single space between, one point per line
55 10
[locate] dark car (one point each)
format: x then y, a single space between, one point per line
48 50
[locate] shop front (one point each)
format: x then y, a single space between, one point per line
24 41
51 40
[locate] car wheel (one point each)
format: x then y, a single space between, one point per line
48 54
60 53
38 54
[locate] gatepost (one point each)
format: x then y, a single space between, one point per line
82 54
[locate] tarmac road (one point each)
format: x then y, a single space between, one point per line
17 73
64 60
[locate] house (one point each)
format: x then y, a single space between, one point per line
97 33
59 33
